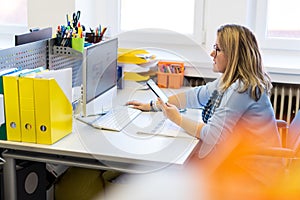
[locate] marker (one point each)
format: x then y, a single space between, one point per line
79 30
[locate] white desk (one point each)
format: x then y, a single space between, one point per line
92 148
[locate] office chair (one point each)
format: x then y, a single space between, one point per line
288 184
284 186
293 143
293 133
290 141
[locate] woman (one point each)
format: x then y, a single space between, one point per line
238 116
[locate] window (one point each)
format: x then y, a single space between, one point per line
13 20
173 15
13 12
285 25
13 16
277 24
162 17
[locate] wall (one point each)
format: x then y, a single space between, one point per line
88 12
220 12
49 13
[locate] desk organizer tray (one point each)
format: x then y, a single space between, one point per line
170 74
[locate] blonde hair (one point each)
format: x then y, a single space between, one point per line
244 60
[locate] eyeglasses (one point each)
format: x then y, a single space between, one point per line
216 48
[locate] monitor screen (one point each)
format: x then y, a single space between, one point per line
99 76
33 36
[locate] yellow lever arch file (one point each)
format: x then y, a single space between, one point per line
27 115
3 125
53 109
11 104
27 107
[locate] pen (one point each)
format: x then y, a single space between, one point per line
168 69
67 16
100 30
63 30
103 31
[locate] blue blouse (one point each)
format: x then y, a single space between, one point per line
237 120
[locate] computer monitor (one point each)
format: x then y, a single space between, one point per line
35 35
99 77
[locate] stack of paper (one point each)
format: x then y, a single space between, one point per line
162 126
135 62
134 56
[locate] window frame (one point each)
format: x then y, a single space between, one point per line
261 29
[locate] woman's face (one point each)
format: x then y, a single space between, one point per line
219 58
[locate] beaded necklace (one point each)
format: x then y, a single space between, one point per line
213 102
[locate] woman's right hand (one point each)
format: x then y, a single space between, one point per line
139 105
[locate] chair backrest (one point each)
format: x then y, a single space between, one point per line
293 137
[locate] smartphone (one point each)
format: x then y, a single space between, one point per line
157 91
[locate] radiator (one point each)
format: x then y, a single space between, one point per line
285 99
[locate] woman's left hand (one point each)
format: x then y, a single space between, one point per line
170 111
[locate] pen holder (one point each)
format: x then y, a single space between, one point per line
169 80
64 42
176 80
170 74
78 44
162 79
97 39
92 38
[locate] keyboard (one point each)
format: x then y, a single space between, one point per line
117 118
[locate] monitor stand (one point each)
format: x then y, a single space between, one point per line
101 104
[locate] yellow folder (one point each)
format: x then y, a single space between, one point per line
135 77
3 125
26 102
53 109
11 106
134 56
27 115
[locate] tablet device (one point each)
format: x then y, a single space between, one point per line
157 91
